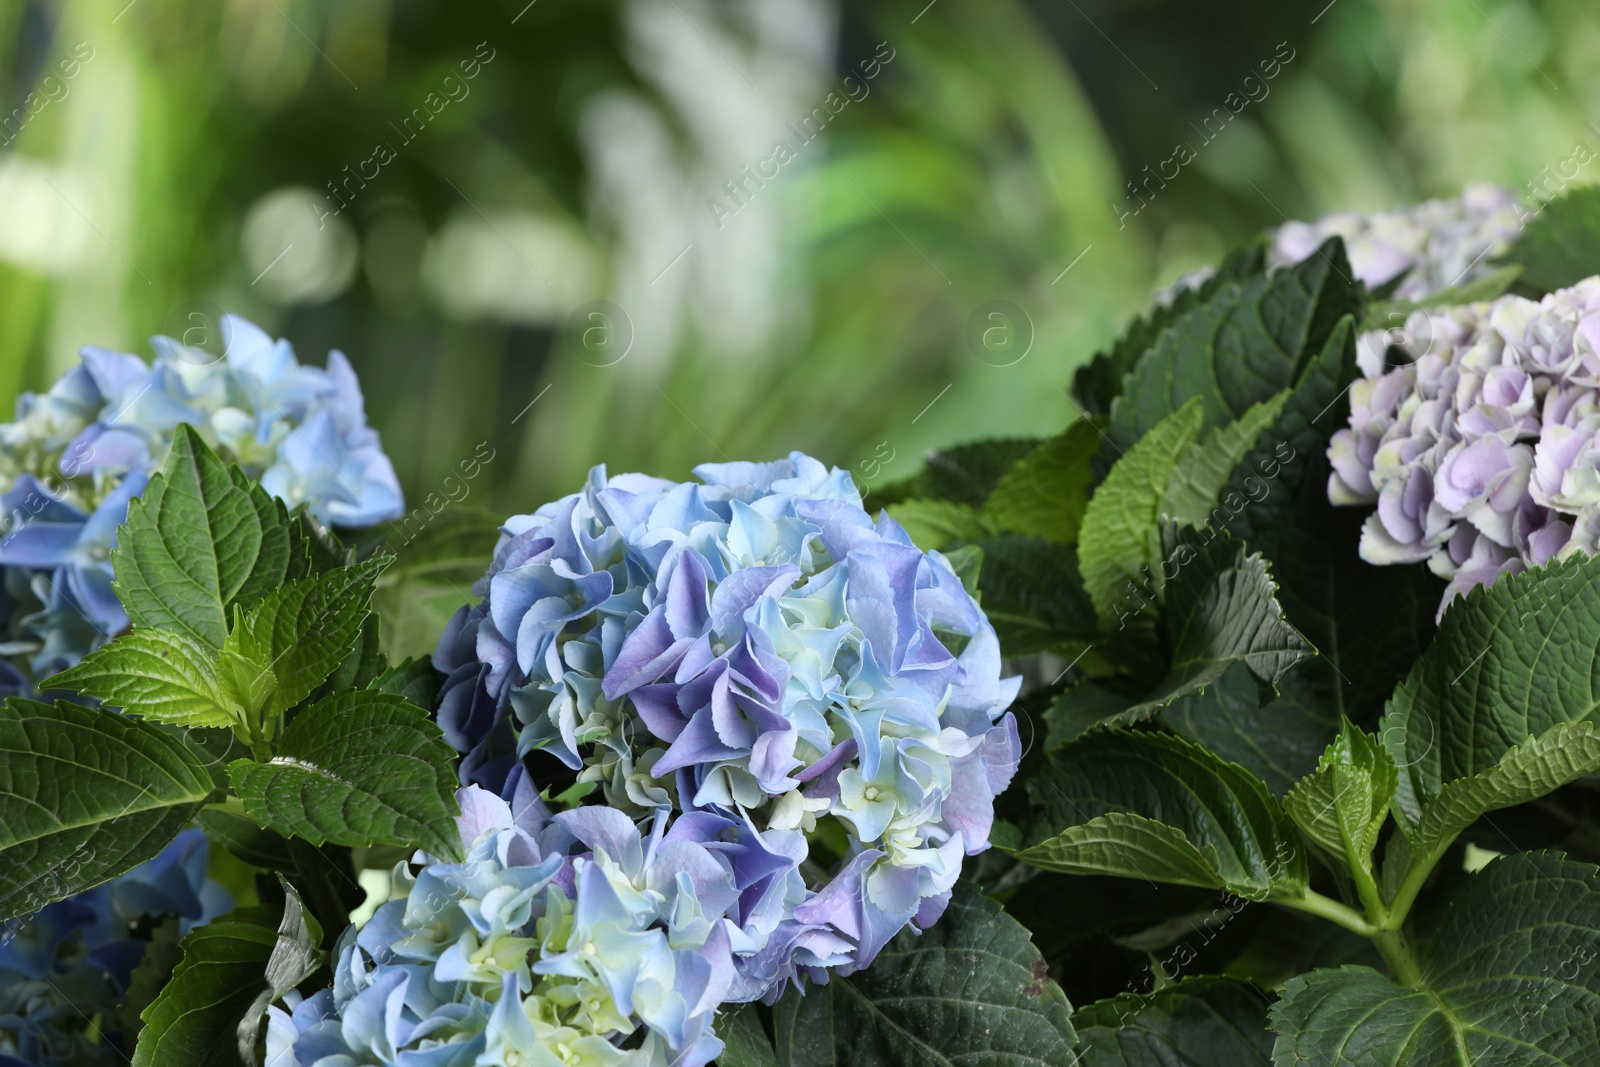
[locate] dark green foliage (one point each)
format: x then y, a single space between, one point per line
1561 246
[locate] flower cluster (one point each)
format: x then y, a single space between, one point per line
1480 450
755 660
556 941
1436 245
64 970
77 454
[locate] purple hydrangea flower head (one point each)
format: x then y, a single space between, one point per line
1476 443
754 659
76 455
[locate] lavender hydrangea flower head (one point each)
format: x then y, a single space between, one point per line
755 659
556 941
1478 449
71 961
77 454
1436 244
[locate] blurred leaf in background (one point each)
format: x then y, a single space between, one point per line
653 233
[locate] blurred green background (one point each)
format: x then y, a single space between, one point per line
499 167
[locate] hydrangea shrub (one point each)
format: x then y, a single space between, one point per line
1114 747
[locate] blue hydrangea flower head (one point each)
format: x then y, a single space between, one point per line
71 961
759 662
560 940
76 454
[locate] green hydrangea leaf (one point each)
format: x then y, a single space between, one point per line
357 768
1203 1021
1508 664
1369 624
1100 381
1527 772
201 540
242 837
1220 610
1077 708
365 663
212 747
195 1019
1508 978
303 630
971 990
1561 246
1142 804
1210 692
155 968
317 548
415 680
1126 846
156 674
1488 286
933 524
745 1042
1046 492
295 957
86 794
247 682
1276 738
963 474
1202 472
1387 314
1033 597
1249 341
1343 804
324 875
1121 534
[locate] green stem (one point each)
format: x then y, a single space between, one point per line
252 736
1366 888
1314 903
1391 945
1411 885
1389 940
